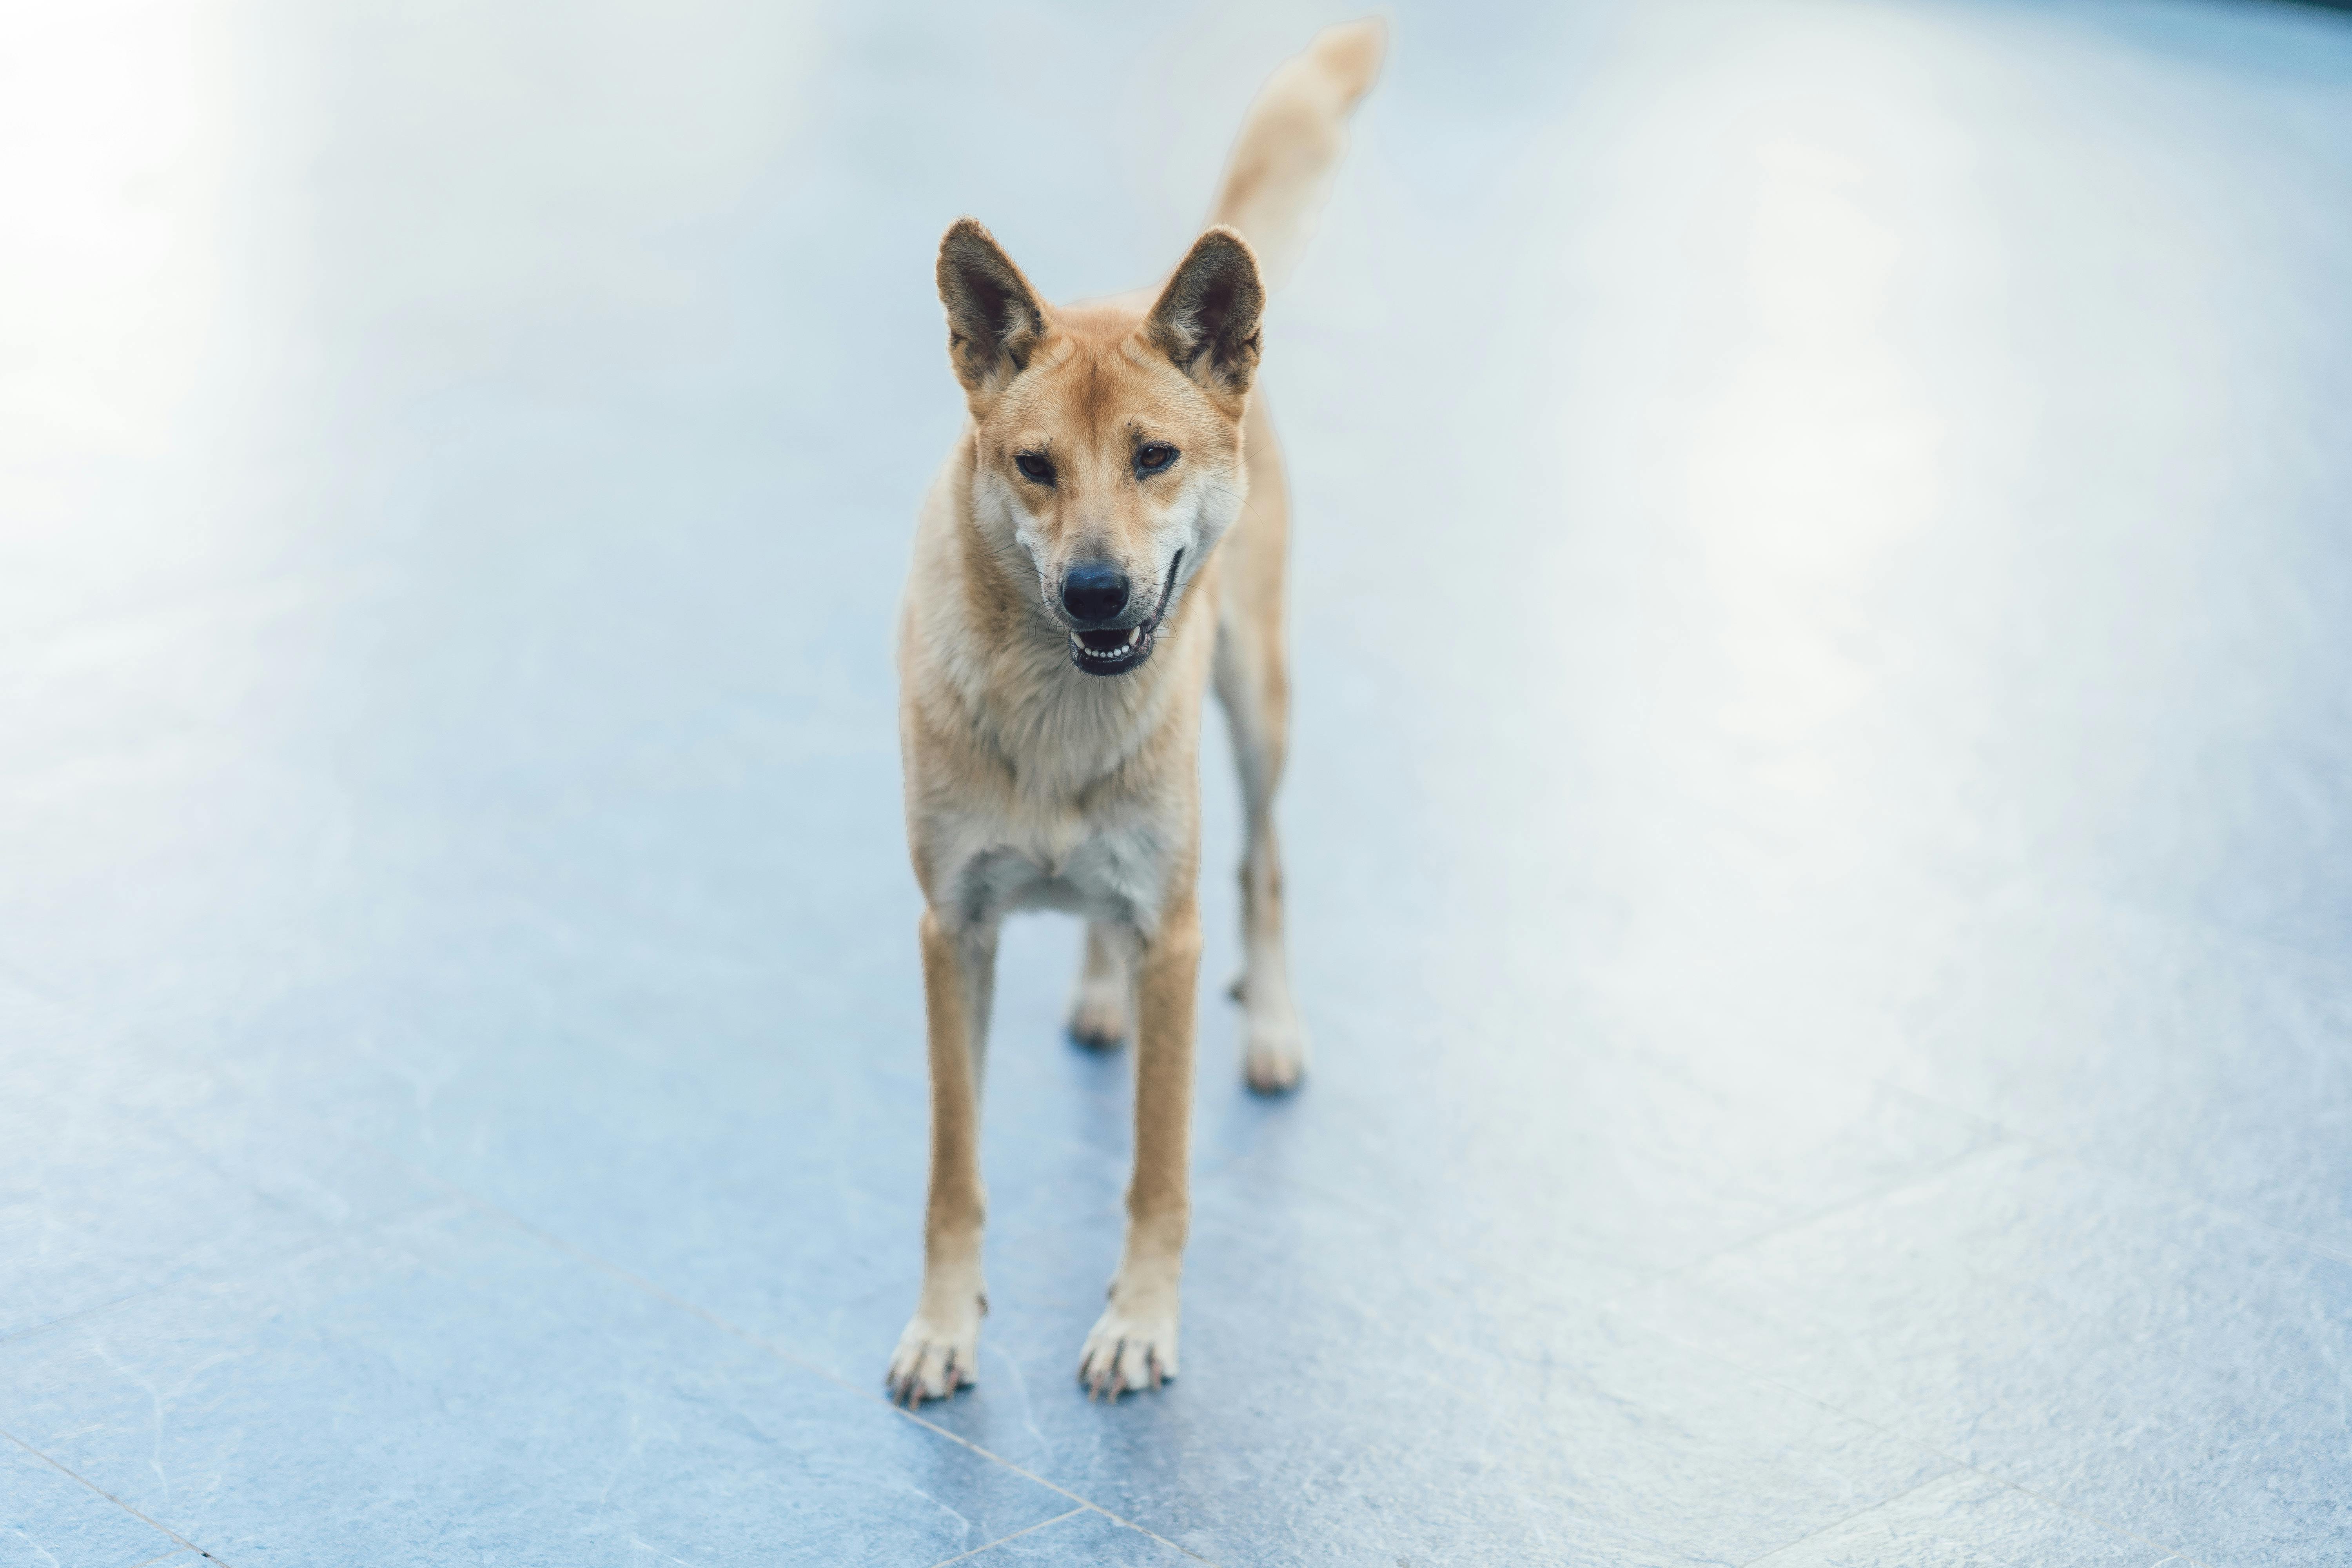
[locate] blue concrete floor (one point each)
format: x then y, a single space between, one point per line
1818 834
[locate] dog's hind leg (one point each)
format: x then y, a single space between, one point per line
1102 1009
939 1351
1253 687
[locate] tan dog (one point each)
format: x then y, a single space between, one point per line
1108 534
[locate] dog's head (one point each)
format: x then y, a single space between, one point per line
1109 446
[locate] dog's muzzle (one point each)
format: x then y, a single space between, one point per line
1117 650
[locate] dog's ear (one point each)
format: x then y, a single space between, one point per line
1207 317
994 321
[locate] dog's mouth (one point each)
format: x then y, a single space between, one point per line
1103 653
1117 650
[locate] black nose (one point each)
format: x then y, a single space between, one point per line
1093 593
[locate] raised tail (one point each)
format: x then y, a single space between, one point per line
1291 141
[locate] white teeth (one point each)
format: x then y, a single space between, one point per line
1126 649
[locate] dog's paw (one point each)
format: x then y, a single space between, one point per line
932 1361
1274 1054
1099 1014
1129 1353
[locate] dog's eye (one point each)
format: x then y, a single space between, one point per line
1154 456
1034 466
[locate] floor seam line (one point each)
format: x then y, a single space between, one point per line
1959 1463
1848 1518
166 1530
826 1372
2036 1144
37 1329
206 1279
1941 1168
639 1281
2033 1142
1025 1530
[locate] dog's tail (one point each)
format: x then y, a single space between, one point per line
1291 142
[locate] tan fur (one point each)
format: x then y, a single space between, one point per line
1033 782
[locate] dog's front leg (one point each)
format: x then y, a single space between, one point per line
939 1351
1133 1345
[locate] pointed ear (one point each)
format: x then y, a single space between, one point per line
994 321
1206 320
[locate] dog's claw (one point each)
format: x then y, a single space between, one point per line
1128 1355
932 1363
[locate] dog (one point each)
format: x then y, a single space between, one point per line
1107 540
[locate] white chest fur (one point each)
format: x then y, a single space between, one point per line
1113 872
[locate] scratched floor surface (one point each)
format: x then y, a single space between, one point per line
1820 831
